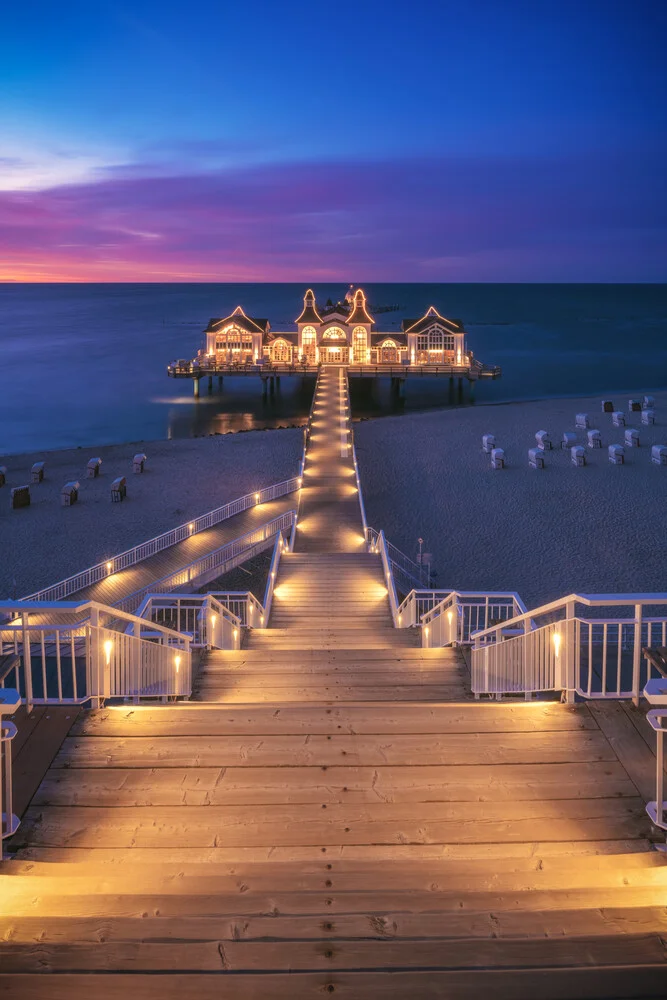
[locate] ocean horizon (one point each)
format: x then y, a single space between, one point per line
85 364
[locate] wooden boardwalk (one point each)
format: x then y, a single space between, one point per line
338 819
126 582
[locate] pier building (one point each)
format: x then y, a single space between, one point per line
344 333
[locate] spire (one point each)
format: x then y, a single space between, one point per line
359 312
309 313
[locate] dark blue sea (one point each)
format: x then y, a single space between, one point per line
85 364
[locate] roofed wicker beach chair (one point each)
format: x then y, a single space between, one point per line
657 657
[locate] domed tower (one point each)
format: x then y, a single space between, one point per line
360 323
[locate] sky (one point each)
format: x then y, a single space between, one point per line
430 140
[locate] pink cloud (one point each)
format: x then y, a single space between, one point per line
408 220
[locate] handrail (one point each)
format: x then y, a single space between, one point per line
588 600
404 563
389 577
9 702
102 570
76 653
271 579
238 550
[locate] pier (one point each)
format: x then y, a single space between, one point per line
344 334
346 785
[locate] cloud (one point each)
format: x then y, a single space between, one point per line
421 219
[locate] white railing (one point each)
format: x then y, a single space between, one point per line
243 604
69 653
209 622
215 563
278 549
73 584
9 702
457 615
407 570
594 656
382 548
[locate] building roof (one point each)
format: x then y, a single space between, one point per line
239 318
430 317
340 310
397 337
359 312
309 313
292 337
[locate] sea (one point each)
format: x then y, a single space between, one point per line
86 364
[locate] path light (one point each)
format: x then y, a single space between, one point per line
256 497
214 619
557 638
109 565
177 662
108 646
449 617
191 528
236 633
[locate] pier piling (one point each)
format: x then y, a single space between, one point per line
195 385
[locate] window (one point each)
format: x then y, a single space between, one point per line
433 345
334 333
359 341
280 351
308 335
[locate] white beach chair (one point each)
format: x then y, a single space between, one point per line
69 494
634 405
648 403
93 467
618 418
569 440
37 472
497 458
616 454
607 406
3 475
581 421
543 440
631 438
488 443
118 489
594 439
536 458
138 462
578 455
648 417
659 454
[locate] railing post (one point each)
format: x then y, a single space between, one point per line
636 655
95 669
571 653
27 661
10 699
525 664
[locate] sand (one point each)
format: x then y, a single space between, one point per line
541 533
46 542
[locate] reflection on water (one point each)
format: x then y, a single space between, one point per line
242 406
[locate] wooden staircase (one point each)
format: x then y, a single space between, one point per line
332 816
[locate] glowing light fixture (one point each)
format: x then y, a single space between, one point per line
191 527
109 565
256 497
108 646
177 662
557 639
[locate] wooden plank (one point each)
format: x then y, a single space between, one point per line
499 851
26 725
339 954
322 719
397 749
387 926
36 755
208 826
261 785
627 744
629 982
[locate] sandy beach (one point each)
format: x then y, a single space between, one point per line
541 533
45 542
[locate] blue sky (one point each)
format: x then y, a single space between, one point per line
479 140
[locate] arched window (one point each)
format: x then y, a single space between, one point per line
309 344
280 351
359 340
234 342
334 333
388 352
434 346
